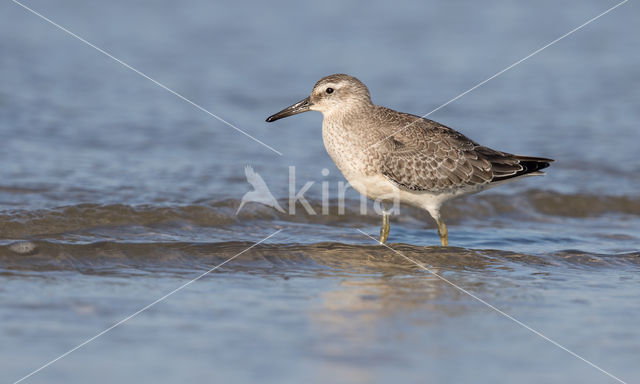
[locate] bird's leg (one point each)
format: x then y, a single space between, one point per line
442 231
384 230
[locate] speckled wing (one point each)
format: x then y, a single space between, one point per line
428 156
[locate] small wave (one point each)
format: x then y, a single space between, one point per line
118 258
75 218
532 205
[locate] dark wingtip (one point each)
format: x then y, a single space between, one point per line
535 166
530 165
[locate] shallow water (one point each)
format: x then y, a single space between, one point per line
113 193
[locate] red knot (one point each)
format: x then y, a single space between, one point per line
386 154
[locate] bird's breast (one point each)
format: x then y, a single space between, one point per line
349 150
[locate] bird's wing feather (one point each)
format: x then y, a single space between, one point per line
428 156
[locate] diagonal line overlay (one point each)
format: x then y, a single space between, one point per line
501 72
147 77
492 307
144 309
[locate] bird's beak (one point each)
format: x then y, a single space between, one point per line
299 107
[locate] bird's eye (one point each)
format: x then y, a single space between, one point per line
329 90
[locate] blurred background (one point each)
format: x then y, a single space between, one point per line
113 191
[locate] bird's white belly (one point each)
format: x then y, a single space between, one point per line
374 187
380 188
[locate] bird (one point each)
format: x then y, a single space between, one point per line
260 194
386 154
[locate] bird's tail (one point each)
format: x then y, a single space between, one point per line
506 166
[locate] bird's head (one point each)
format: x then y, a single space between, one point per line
335 93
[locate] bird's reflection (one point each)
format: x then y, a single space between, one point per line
382 295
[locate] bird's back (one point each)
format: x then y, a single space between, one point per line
423 155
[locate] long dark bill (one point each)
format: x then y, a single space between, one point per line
299 107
